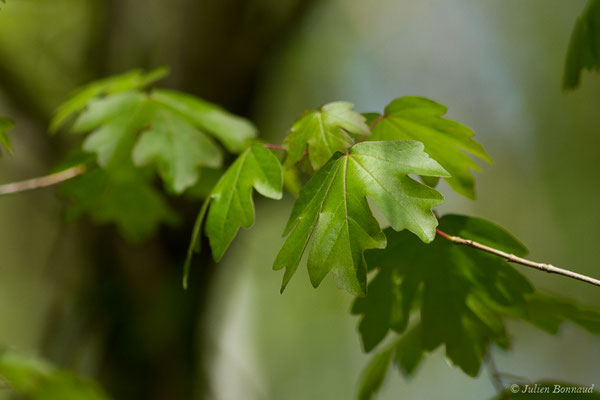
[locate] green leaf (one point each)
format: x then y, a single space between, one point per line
446 141
234 132
5 125
36 379
548 313
123 196
169 139
584 47
460 290
333 208
195 241
406 353
544 390
178 148
374 374
131 80
323 132
231 199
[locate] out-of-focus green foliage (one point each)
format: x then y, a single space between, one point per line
417 118
231 203
464 296
5 125
38 380
131 80
333 205
584 48
124 196
320 133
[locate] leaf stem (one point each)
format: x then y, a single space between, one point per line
375 121
518 260
43 181
274 146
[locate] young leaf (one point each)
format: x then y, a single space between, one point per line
584 47
333 207
460 290
446 141
131 80
178 148
122 196
231 199
234 132
5 125
322 132
168 139
38 380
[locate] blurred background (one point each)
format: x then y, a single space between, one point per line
84 298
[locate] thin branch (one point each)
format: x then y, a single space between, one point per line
42 181
518 260
274 146
375 121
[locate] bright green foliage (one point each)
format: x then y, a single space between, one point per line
446 141
234 132
5 125
535 391
37 380
231 199
322 132
584 47
131 80
333 207
124 196
169 139
459 290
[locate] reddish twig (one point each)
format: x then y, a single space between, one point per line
518 260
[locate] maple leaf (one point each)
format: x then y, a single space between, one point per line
323 132
446 141
150 128
231 199
333 208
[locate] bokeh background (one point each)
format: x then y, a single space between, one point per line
87 300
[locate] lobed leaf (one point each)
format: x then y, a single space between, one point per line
323 132
231 199
459 290
332 208
446 141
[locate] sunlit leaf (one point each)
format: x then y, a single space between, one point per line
333 209
323 132
231 199
446 141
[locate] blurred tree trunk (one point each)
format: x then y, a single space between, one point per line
147 327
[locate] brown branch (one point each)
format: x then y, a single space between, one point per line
274 146
42 181
518 260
